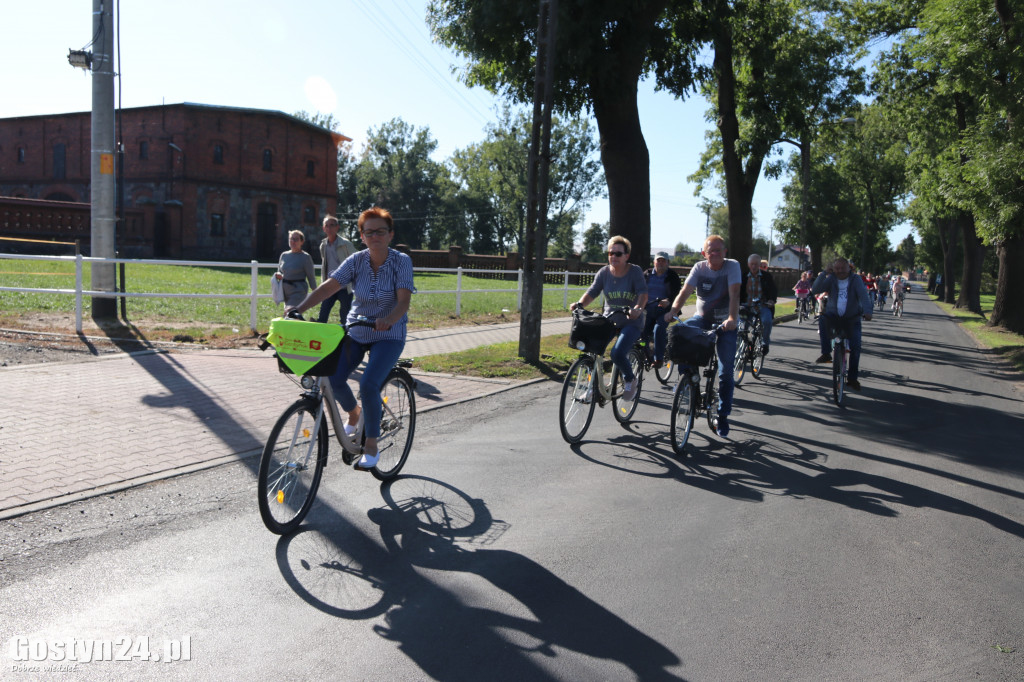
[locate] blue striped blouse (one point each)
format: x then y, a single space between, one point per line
375 295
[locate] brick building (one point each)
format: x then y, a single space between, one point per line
200 181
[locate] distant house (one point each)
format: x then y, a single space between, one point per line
200 181
786 256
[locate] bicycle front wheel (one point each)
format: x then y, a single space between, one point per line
397 424
624 409
838 373
740 369
291 466
684 410
578 400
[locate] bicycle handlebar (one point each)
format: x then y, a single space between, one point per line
360 321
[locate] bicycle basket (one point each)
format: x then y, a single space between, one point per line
690 345
308 348
591 332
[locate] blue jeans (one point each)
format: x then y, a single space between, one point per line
620 351
341 296
828 322
726 348
656 321
383 356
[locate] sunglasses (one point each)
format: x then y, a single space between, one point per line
379 232
616 253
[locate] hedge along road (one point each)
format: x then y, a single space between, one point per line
879 541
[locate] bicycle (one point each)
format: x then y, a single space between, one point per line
803 308
663 373
295 455
585 385
840 363
688 401
750 342
881 299
897 309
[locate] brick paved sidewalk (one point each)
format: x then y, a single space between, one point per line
75 430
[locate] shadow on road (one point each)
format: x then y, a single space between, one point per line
428 524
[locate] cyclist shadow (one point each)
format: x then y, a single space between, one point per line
428 524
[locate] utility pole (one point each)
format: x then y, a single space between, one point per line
537 183
101 176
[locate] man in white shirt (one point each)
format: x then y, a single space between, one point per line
847 302
333 252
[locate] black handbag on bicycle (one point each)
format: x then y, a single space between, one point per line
690 345
591 332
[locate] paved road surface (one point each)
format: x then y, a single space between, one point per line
878 542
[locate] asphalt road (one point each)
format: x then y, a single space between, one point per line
882 541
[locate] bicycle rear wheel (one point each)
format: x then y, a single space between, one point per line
397 424
291 466
838 373
624 409
685 404
578 399
711 403
740 369
757 356
664 373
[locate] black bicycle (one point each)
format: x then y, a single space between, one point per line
688 401
750 341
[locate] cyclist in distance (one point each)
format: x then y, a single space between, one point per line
717 283
663 286
623 286
382 283
882 287
847 303
899 288
803 286
759 283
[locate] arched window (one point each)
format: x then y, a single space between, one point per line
218 154
268 160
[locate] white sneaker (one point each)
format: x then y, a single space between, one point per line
629 390
368 461
350 430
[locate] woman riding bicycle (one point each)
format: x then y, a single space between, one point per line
383 284
803 288
623 286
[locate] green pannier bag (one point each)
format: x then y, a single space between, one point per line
308 348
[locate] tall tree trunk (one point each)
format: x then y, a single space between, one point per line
738 195
947 239
1008 310
627 163
974 259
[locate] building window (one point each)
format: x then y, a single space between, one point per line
59 172
310 169
309 215
143 150
216 224
21 155
218 153
268 160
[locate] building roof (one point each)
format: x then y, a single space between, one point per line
338 137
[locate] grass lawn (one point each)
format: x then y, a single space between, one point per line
211 318
1002 341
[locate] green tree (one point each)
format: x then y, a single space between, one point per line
779 69
397 173
595 240
603 48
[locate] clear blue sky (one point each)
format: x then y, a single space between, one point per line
365 61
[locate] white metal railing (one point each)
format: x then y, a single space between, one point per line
80 292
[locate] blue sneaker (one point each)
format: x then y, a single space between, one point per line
723 427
